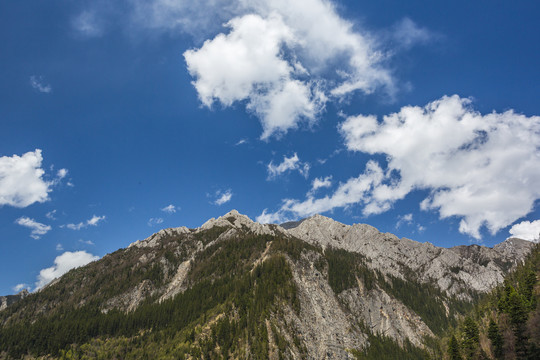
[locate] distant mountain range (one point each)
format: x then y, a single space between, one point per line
234 288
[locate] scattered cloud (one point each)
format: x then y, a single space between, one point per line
404 219
407 33
526 230
87 242
17 288
241 142
88 24
223 197
50 215
90 222
38 229
155 221
288 164
59 247
320 183
21 180
61 173
354 191
170 209
38 83
62 264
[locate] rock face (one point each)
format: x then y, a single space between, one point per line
5 301
338 307
455 270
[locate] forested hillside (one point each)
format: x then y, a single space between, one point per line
505 325
238 289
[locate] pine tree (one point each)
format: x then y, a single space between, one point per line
496 339
453 349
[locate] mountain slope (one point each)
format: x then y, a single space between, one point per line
233 287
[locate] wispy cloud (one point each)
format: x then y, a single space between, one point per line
155 221
223 197
88 24
170 209
320 183
17 288
87 242
288 164
38 229
94 221
51 215
39 84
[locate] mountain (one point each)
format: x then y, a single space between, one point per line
234 288
506 323
5 301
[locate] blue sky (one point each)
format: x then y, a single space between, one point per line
119 118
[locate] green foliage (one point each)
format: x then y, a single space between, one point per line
494 335
454 349
471 337
424 299
509 317
345 267
252 294
385 348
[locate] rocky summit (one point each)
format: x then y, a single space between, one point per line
234 288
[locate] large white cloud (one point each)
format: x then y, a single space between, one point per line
480 168
21 180
38 229
285 59
62 264
526 230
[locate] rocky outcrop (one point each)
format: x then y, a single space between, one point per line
8 300
455 270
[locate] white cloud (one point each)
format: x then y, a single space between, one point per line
38 229
62 264
319 183
170 209
354 191
87 242
21 180
482 168
88 24
407 34
59 247
38 84
223 197
241 142
288 164
155 221
281 58
62 173
526 230
17 288
50 215
90 222
404 219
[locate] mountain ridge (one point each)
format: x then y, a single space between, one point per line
342 286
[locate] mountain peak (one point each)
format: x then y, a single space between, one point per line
239 221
